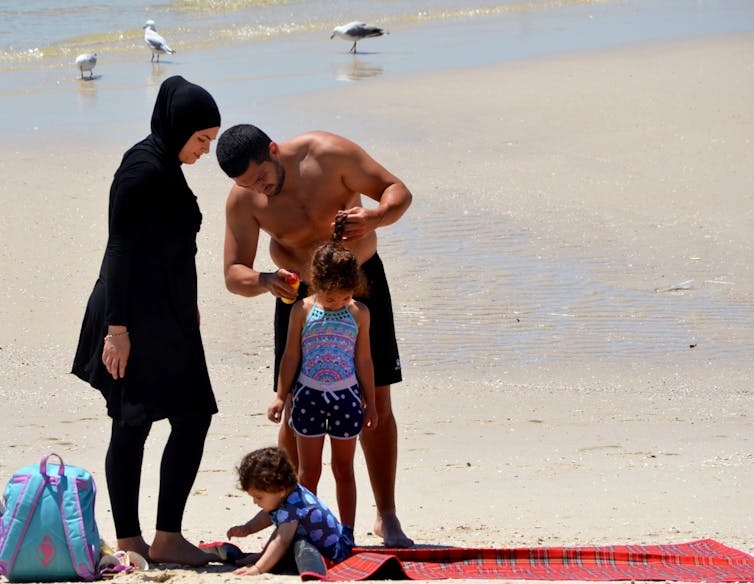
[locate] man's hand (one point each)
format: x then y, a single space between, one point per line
277 283
360 222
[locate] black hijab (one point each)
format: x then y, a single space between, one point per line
181 109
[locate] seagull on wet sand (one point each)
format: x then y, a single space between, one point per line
86 62
155 41
355 31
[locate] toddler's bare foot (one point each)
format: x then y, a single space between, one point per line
172 548
134 544
388 527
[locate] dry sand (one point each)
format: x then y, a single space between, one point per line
634 165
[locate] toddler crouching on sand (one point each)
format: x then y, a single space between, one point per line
305 529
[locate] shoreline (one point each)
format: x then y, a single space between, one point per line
50 102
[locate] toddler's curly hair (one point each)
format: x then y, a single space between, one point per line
269 470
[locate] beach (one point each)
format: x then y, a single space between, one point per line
572 290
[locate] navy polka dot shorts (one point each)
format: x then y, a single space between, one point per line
316 412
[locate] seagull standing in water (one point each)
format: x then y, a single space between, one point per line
355 31
155 41
86 62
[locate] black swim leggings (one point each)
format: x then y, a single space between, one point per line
180 463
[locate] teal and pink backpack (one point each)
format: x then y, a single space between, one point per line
47 530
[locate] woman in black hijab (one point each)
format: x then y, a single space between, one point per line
140 343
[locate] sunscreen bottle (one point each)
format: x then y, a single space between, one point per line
295 282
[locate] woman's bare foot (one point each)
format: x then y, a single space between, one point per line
388 527
172 548
134 544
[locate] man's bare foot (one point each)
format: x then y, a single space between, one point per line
388 527
134 544
172 548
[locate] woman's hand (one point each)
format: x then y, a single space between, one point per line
116 351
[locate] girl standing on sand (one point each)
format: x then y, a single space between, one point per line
328 335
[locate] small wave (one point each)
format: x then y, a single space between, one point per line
124 42
481 11
220 6
105 43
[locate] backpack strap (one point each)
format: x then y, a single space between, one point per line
82 557
43 465
24 507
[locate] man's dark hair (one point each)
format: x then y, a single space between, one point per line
241 145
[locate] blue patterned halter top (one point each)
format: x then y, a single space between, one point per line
328 344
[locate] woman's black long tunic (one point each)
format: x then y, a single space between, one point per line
148 283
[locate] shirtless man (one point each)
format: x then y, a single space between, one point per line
293 191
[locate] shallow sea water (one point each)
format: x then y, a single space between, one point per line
249 53
482 293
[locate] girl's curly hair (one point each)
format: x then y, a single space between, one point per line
334 267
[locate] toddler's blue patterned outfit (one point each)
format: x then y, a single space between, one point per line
316 524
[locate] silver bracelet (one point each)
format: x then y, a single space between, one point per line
109 337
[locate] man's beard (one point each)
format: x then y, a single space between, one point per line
280 171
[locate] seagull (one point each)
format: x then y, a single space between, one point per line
86 62
155 41
355 31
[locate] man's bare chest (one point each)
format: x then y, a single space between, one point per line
303 218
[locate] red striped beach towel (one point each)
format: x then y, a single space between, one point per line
703 560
